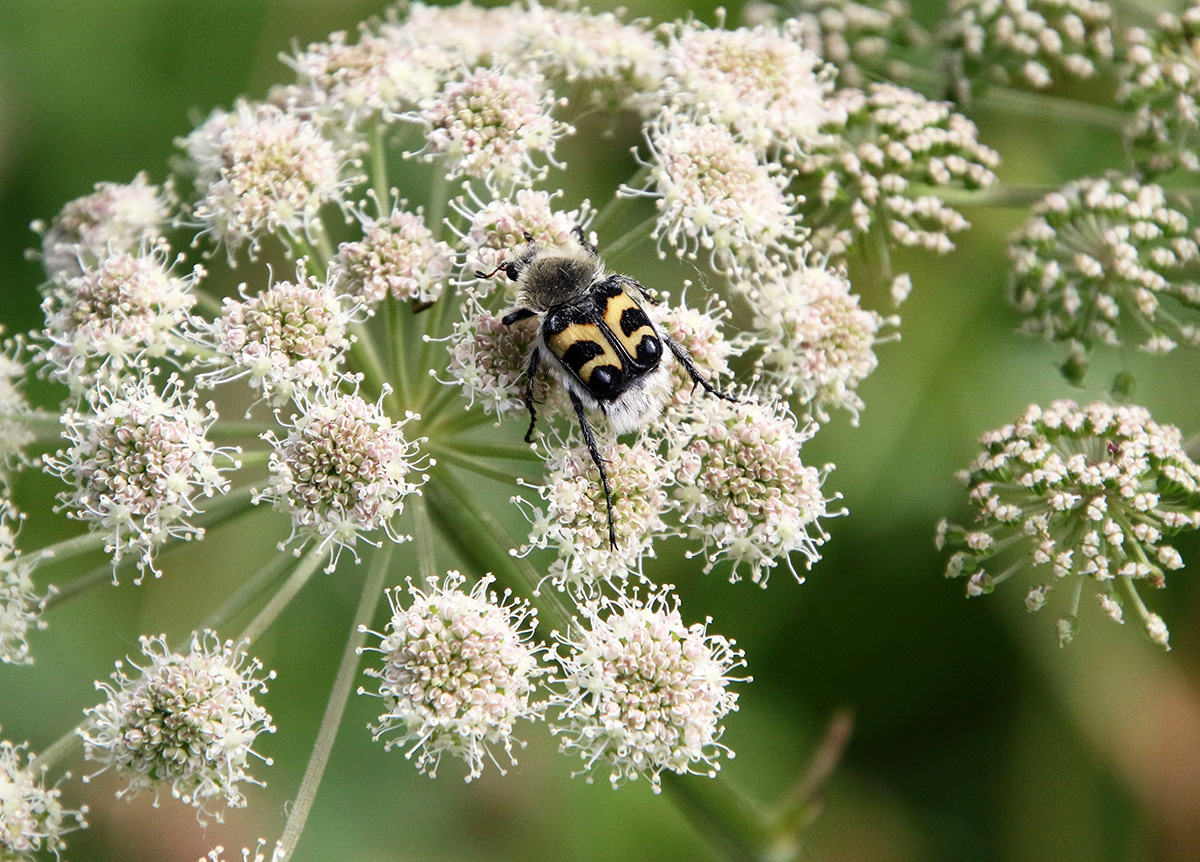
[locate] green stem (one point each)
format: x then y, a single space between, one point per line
483 543
619 202
1043 106
76 546
245 594
478 466
46 426
366 357
299 577
728 818
439 196
207 303
511 451
57 750
423 531
343 684
1017 197
399 330
631 238
379 181
225 429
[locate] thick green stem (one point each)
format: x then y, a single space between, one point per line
343 684
304 570
729 819
1043 105
76 546
484 544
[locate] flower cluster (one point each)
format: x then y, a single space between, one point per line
342 471
32 818
14 409
1105 258
1030 43
20 605
857 39
1092 493
458 672
188 720
260 170
1160 80
641 692
106 318
817 342
287 340
397 255
575 520
115 218
882 157
137 465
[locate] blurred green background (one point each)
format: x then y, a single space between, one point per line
977 738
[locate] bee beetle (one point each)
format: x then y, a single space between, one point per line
596 337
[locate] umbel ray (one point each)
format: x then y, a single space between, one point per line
596 338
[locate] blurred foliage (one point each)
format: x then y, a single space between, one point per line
977 738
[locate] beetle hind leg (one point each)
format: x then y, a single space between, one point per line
698 379
590 439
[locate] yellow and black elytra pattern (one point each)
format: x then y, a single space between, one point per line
606 339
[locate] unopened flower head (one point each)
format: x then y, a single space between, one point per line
459 668
185 720
620 64
641 692
343 471
116 217
756 81
397 255
496 231
491 125
103 320
489 360
1090 492
32 819
877 144
712 192
1160 80
20 604
857 38
743 490
1105 259
1030 43
817 342
138 464
14 408
575 519
261 170
288 339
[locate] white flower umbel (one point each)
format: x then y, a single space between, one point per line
758 82
1091 492
138 463
817 342
575 519
187 720
1029 43
877 145
496 231
20 605
1160 80
459 668
342 472
116 217
261 170
614 64
286 340
397 255
700 334
32 819
490 126
14 408
743 490
473 35
102 321
857 38
1106 260
640 691
712 192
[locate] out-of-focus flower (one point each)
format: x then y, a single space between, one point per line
32 819
857 39
20 604
1106 258
1090 492
1029 43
